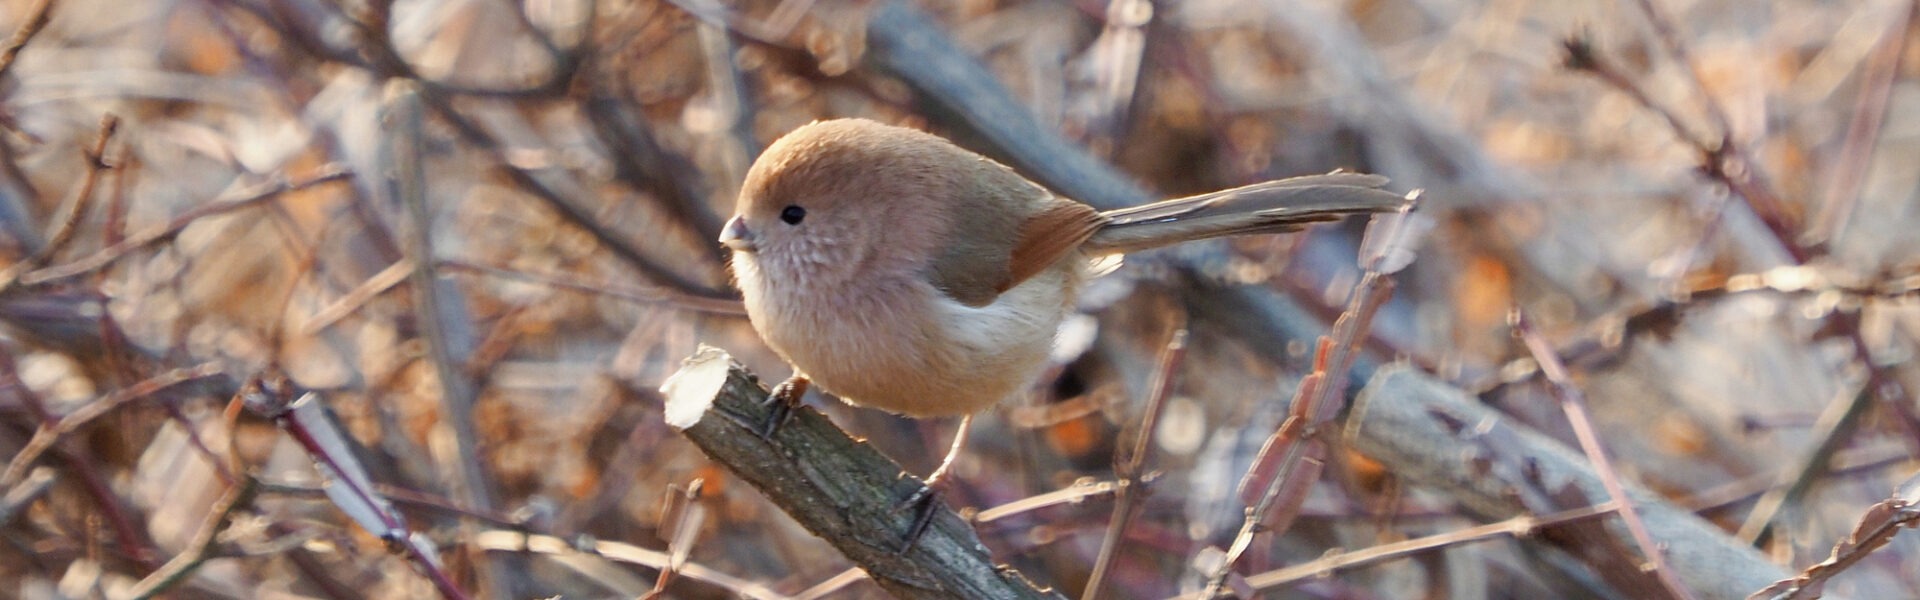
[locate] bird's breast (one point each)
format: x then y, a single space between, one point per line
900 345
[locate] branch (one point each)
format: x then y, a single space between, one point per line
1876 529
203 548
840 489
1436 435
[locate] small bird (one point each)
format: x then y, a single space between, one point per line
901 272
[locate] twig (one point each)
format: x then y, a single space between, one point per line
1073 495
1128 466
1863 131
436 316
24 493
1289 463
1843 414
359 296
72 211
273 396
905 43
201 549
1851 462
244 198
400 497
833 584
1876 529
37 18
500 540
840 489
50 432
1574 404
1729 160
630 293
684 511
1521 527
1433 434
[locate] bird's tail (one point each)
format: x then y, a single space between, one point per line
1271 207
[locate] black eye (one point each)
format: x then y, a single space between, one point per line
792 215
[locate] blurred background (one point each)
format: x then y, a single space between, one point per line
480 233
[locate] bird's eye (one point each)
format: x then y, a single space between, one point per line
792 214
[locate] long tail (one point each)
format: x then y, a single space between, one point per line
1271 207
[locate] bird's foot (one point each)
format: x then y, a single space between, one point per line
925 504
784 399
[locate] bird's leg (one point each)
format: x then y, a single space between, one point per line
923 501
784 398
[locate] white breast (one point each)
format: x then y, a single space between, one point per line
910 349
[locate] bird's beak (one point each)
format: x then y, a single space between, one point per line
736 235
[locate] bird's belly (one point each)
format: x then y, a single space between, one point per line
951 359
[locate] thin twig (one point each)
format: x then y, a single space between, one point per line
1863 130
1573 402
1874 531
73 210
1128 466
434 317
202 548
628 292
684 511
244 198
1843 414
501 540
50 432
1290 461
1518 528
37 19
19 496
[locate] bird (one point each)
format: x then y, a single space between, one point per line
901 272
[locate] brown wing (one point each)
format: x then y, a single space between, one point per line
984 225
994 250
1003 230
1050 236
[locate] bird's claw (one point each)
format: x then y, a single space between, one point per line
925 503
784 398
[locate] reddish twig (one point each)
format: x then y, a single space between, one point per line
1290 462
50 432
1875 531
1128 466
1730 163
1573 402
273 396
37 19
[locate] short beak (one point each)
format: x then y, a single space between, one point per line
736 235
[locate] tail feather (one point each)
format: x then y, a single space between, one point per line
1271 207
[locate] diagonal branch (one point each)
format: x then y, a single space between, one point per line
840 489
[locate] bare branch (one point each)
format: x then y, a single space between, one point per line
842 490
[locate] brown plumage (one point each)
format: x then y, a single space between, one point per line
902 272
